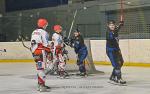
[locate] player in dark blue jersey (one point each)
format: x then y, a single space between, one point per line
81 51
113 51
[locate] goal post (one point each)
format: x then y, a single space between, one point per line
89 60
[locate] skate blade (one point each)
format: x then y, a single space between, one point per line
115 83
84 76
47 90
63 77
78 77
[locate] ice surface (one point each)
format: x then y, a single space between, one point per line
20 78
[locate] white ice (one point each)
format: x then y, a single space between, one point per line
19 78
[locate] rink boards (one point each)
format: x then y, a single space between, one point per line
135 52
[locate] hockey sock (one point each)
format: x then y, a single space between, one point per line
41 77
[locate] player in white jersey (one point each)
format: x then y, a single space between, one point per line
58 54
40 48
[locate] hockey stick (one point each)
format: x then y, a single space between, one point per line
121 11
75 14
74 18
22 40
4 50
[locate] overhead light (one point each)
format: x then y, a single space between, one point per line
128 2
1 15
20 14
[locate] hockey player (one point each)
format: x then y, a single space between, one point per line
40 48
58 55
81 51
113 51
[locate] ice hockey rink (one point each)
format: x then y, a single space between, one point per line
18 19
20 78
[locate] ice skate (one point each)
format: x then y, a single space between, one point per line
121 81
63 75
43 88
112 78
83 74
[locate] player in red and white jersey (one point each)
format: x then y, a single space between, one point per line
58 45
40 49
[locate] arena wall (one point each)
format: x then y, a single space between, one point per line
134 51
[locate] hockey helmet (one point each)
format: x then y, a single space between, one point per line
42 22
57 28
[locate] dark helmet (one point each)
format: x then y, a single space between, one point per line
77 30
111 22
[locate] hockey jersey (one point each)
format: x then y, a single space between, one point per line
112 38
57 39
39 36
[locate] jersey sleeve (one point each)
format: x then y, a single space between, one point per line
118 27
